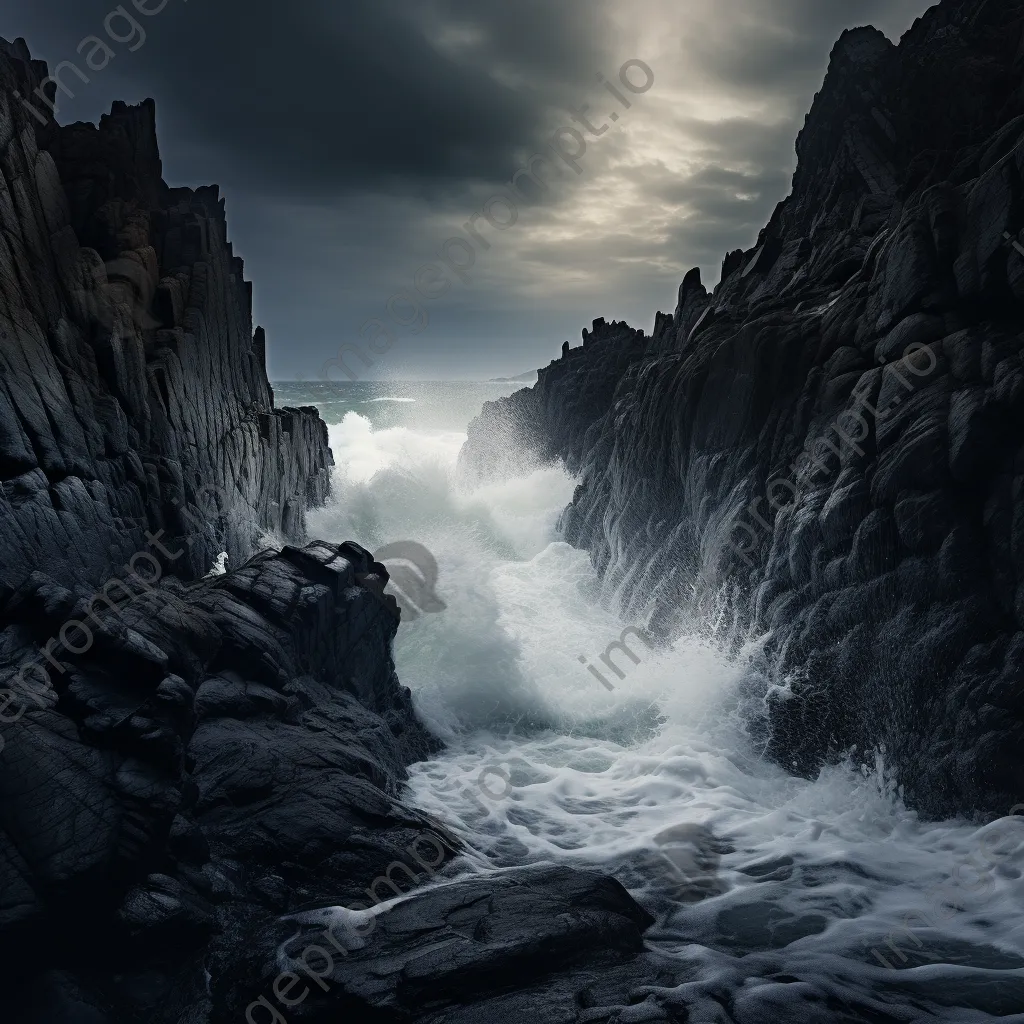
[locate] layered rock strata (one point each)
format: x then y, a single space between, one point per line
133 390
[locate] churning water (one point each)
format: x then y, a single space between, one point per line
776 895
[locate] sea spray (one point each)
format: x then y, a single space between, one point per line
657 782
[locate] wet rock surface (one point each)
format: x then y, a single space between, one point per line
521 937
833 436
226 752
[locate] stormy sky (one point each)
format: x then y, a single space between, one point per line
354 139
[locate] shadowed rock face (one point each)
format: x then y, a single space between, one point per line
225 753
836 434
527 938
181 763
133 390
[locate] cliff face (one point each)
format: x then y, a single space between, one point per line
833 438
133 391
176 762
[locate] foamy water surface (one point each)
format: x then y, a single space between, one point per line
782 892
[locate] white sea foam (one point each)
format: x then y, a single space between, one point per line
220 566
765 884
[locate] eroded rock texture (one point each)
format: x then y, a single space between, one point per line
833 437
552 941
224 753
133 390
169 753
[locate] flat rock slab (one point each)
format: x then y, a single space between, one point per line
474 941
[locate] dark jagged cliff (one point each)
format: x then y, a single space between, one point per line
179 761
190 763
132 386
833 438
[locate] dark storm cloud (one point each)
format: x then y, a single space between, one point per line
556 42
352 138
320 96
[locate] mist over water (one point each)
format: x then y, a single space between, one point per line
767 886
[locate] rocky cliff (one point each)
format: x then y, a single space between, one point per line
133 390
199 774
176 758
831 441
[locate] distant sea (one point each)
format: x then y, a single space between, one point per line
419 405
